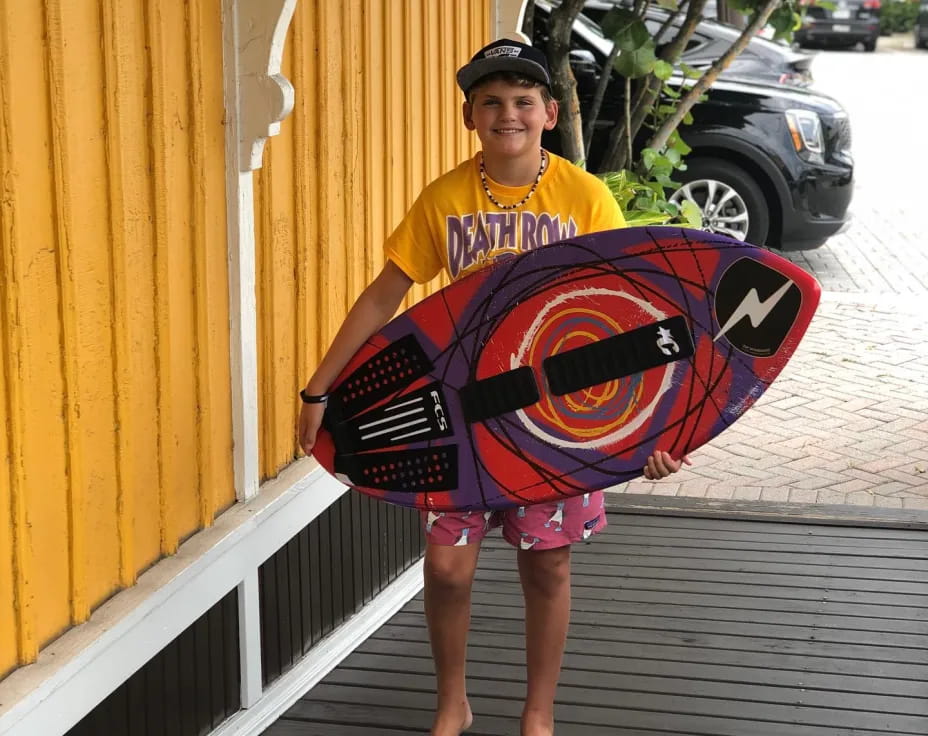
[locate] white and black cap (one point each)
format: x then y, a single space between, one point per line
505 55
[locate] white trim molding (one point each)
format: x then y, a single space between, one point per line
265 96
81 668
257 98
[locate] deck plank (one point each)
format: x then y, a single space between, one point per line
680 626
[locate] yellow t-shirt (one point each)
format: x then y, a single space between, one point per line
454 225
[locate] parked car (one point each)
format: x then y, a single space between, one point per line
770 164
921 27
841 23
761 59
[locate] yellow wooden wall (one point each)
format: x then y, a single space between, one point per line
115 423
377 117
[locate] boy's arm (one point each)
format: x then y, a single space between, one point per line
373 309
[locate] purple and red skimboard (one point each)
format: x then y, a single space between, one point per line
559 371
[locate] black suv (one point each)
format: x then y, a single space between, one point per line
841 23
771 163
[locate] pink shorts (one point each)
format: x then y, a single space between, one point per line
542 526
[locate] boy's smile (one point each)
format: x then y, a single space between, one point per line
509 121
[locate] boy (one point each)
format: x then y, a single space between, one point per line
489 207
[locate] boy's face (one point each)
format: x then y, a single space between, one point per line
509 119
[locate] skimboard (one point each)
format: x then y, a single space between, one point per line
559 371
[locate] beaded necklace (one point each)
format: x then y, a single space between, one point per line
527 197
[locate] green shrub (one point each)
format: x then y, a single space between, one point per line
898 16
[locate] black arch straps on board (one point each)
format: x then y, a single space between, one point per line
651 346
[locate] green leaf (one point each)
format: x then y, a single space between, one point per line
649 156
657 188
616 21
691 213
663 70
642 219
637 63
625 28
690 72
678 144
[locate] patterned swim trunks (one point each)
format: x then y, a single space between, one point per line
541 526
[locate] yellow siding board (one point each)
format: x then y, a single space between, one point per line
133 308
302 221
40 501
8 595
13 630
212 287
199 252
368 132
175 320
8 582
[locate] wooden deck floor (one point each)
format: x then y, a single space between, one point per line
680 626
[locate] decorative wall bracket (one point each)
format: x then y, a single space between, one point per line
265 96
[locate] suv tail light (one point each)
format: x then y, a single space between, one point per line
871 4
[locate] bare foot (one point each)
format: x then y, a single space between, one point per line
453 720
537 723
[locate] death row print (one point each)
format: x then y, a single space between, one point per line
475 238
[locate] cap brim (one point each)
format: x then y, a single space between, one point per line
472 73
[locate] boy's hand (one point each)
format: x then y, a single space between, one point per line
308 427
660 465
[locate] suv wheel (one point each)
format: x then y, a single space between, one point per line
731 202
870 45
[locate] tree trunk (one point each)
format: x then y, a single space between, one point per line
564 85
684 105
593 113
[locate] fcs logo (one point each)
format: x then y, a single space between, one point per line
755 307
439 411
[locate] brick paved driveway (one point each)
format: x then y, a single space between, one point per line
847 421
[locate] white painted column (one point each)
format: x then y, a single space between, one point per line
257 98
249 639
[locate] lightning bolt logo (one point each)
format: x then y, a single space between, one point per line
754 309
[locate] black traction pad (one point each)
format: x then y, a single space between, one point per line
405 471
397 365
622 355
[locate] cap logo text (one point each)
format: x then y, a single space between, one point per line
503 51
